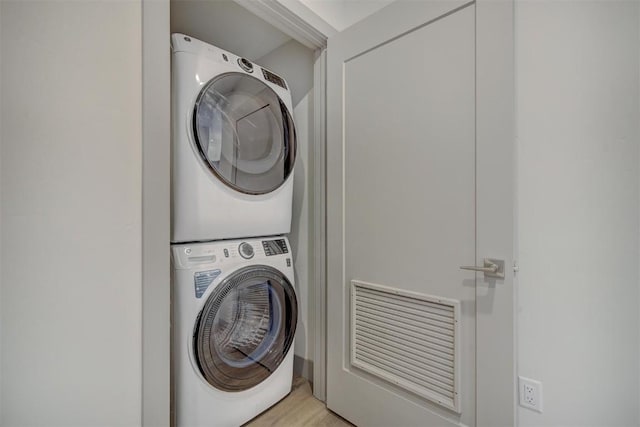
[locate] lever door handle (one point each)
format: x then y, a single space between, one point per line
492 268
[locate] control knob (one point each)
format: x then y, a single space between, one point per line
245 65
246 250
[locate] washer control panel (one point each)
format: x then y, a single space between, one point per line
214 255
275 247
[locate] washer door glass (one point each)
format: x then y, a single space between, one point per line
244 133
246 328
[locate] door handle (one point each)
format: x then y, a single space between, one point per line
492 268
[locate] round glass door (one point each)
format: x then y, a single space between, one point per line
246 328
244 133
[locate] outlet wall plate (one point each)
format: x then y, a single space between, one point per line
530 393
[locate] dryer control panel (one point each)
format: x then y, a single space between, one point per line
275 247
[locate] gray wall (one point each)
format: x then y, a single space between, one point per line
295 63
578 194
1 204
71 213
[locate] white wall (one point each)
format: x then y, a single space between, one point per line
71 209
578 194
1 204
294 62
226 25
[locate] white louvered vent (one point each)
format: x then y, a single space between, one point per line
408 339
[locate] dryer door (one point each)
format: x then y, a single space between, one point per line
246 328
244 133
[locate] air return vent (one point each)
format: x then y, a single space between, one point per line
408 339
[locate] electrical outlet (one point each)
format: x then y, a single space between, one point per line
530 393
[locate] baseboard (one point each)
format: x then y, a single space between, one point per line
303 368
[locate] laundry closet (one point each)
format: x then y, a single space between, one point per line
248 43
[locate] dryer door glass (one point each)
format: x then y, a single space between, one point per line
246 328
244 133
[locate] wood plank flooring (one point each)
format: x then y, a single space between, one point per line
299 409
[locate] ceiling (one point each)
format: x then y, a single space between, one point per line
341 14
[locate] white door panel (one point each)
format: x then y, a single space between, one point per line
409 185
401 182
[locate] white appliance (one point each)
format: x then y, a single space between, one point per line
234 320
233 146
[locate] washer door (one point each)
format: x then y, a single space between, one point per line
244 133
246 328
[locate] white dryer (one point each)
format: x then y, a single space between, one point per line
233 146
233 324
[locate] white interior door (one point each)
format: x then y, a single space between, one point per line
406 325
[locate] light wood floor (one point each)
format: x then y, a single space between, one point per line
299 409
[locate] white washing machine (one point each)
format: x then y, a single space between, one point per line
234 316
233 146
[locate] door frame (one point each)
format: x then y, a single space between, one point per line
495 209
495 111
156 270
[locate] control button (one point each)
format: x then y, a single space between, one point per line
288 262
245 65
187 251
224 56
226 253
246 250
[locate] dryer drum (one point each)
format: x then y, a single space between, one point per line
246 328
244 133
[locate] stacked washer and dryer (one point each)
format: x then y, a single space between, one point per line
234 306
